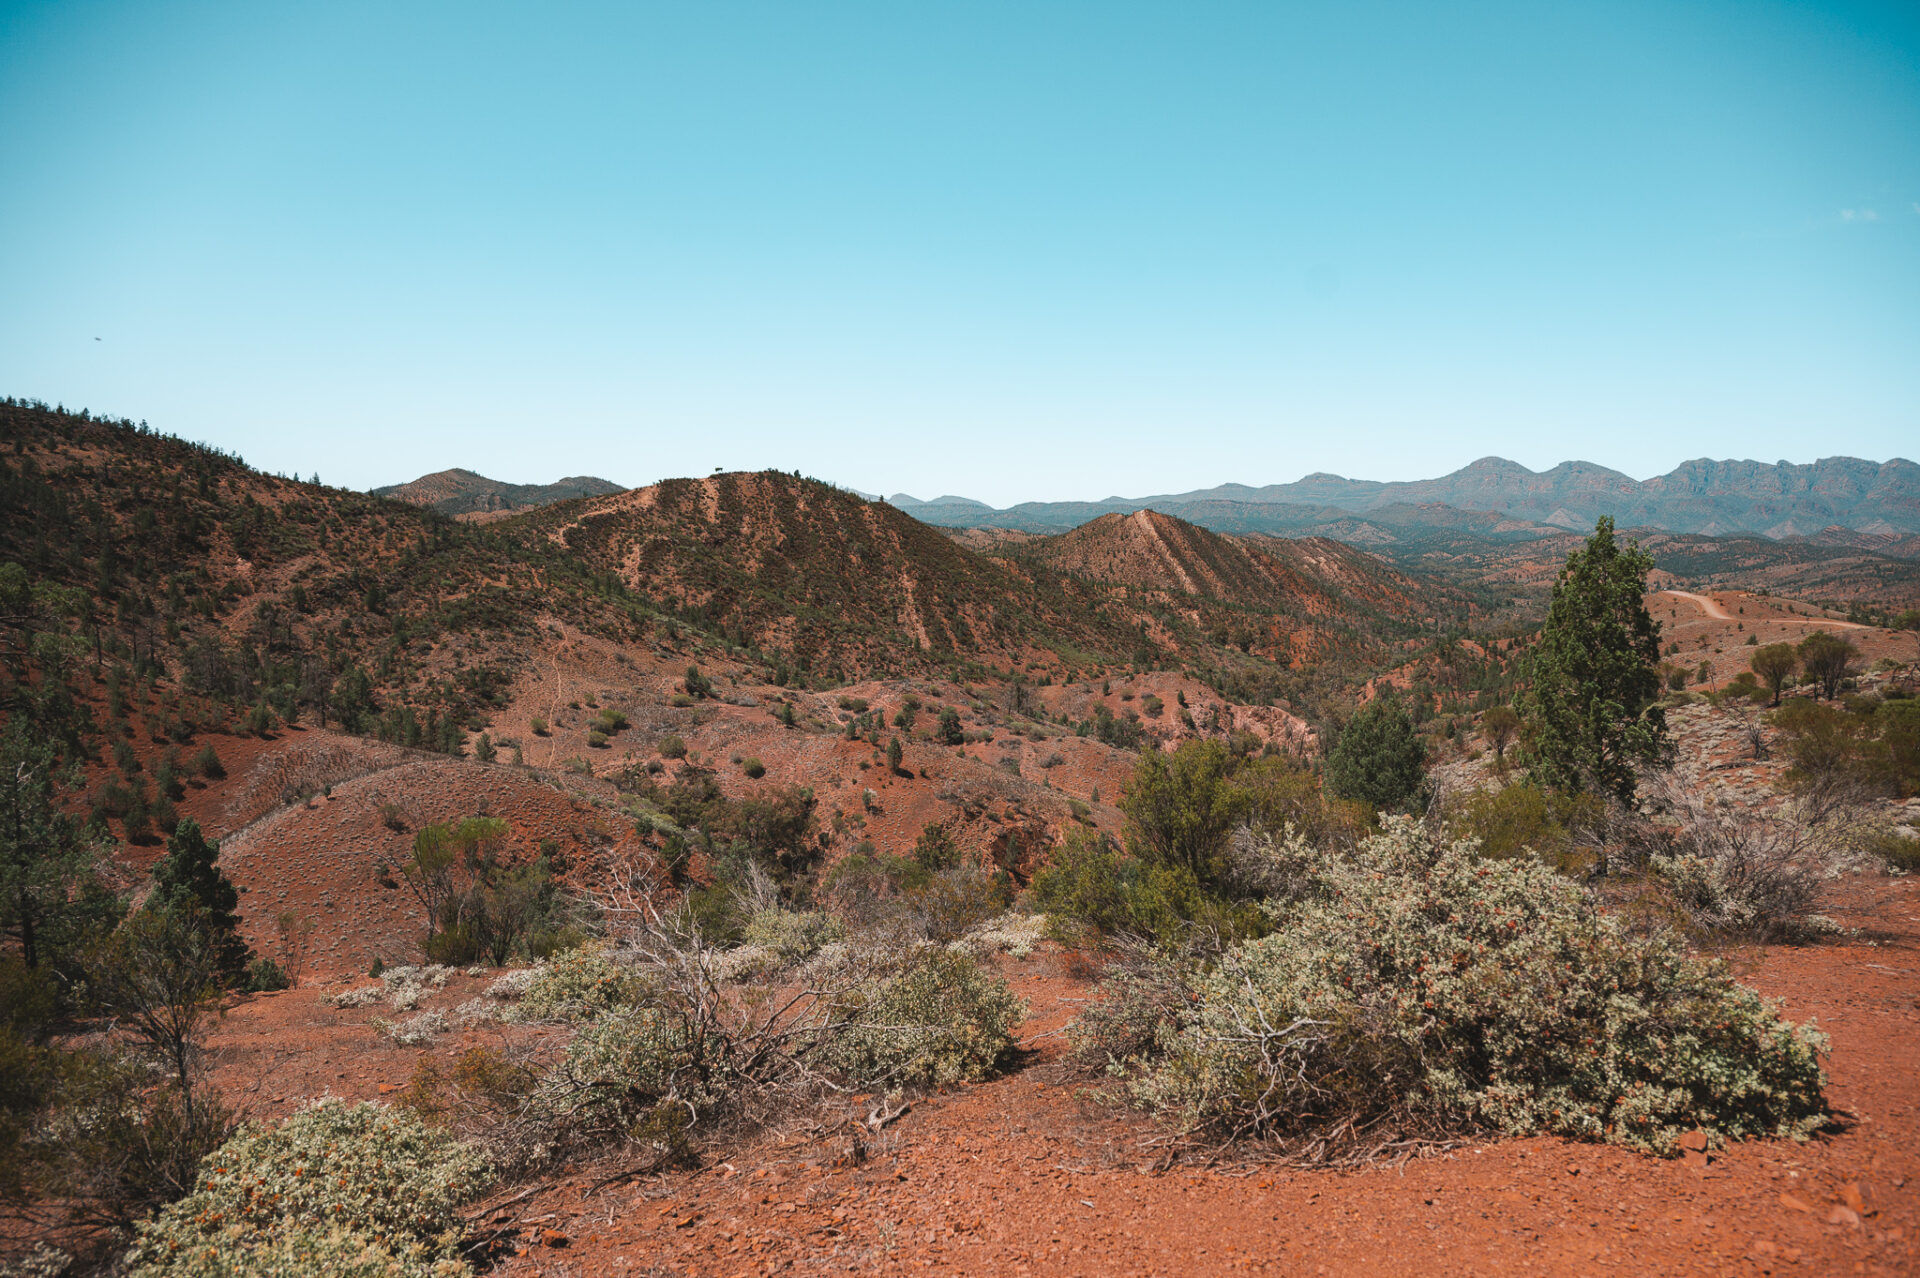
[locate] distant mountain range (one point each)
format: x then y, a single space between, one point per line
462 492
1500 499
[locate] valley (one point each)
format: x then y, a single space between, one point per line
615 678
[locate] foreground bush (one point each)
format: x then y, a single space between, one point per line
942 1020
1417 989
353 1189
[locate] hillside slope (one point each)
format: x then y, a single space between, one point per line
1315 577
462 492
799 566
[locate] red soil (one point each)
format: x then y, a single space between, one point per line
1020 1175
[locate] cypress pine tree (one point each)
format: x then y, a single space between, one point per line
188 876
1378 759
1594 676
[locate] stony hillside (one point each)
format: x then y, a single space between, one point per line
462 492
840 583
1313 577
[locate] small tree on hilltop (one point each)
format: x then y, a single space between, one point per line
188 881
1828 660
1590 711
894 754
1378 759
1774 664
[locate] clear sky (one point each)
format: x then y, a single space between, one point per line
1021 251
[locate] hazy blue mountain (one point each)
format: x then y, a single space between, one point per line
1717 498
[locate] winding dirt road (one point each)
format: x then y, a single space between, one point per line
1718 613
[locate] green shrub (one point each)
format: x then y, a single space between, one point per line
935 848
578 985
264 976
754 769
1378 759
1901 852
1090 890
1417 986
596 739
336 1188
941 1020
1528 818
672 747
957 899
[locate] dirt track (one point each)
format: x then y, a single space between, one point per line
1717 613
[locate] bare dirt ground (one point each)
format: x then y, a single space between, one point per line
1024 1175
1714 627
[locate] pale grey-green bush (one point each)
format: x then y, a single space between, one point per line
336 1188
1418 988
939 1020
305 1251
628 1064
792 935
578 985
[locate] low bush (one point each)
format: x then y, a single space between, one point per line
1868 747
1092 892
415 1031
635 1071
1757 876
1525 819
940 1020
1010 933
1900 852
791 935
578 985
958 899
264 975
672 747
336 1188
1416 989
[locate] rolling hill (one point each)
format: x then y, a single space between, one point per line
462 492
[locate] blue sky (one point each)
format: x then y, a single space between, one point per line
1016 252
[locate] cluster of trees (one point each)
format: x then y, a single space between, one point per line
1174 872
1587 719
1827 661
87 1142
479 904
